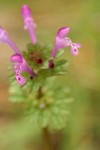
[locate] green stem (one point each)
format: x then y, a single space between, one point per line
48 141
40 93
48 144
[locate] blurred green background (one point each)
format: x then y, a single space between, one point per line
83 17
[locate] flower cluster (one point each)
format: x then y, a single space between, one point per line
62 41
20 63
36 69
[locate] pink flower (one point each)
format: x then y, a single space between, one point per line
20 64
74 48
29 23
4 38
62 41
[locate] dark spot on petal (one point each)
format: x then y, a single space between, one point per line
75 50
19 79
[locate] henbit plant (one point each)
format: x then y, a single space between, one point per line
35 77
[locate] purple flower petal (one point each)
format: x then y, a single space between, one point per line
20 66
20 79
63 32
61 41
3 35
26 11
4 38
74 49
16 58
29 23
77 45
32 34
